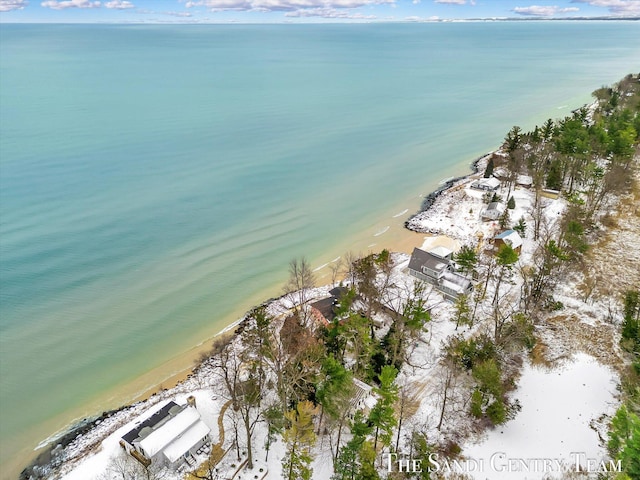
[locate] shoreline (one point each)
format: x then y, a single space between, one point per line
45 453
430 199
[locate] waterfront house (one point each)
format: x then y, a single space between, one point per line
508 237
493 211
171 437
524 181
490 184
429 266
437 268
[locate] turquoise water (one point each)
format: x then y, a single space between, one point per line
152 178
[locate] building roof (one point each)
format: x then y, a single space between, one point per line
361 392
440 251
511 238
490 182
495 206
420 259
150 423
525 180
500 172
186 441
318 316
169 431
455 282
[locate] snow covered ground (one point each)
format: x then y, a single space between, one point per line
558 422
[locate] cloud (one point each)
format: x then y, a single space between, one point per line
543 11
142 11
119 4
451 2
317 6
8 5
56 5
325 12
617 7
415 18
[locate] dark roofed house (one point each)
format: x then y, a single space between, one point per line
438 271
170 437
428 266
326 306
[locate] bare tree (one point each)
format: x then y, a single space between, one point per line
447 376
301 279
123 466
336 268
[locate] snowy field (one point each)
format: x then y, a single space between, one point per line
558 421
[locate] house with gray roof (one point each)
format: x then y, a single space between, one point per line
490 184
438 270
493 211
169 437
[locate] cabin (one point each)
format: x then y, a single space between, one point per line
493 211
508 237
326 307
490 184
170 437
318 318
437 268
501 173
363 396
525 181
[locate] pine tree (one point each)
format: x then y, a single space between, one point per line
382 414
631 324
348 460
462 311
521 227
466 259
299 437
334 390
511 204
488 392
504 219
488 171
624 441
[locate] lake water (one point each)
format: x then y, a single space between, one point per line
155 181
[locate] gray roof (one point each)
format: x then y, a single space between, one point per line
420 259
152 422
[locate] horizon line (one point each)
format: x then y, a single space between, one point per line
330 21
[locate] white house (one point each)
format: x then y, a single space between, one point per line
170 437
490 184
493 211
524 181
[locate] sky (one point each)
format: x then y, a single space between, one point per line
299 11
